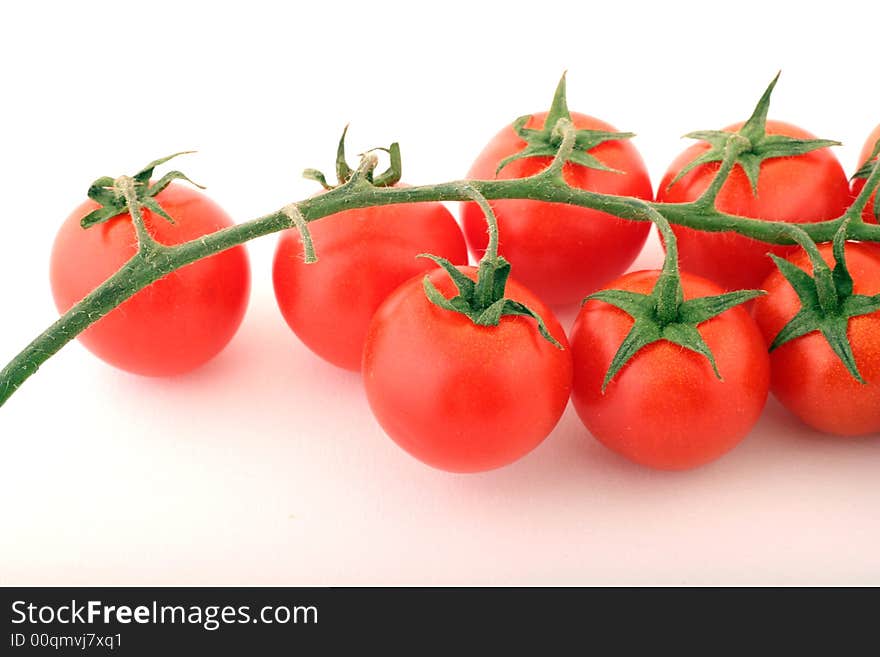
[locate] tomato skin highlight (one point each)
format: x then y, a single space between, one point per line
858 184
462 397
806 376
561 252
179 322
804 189
363 256
666 409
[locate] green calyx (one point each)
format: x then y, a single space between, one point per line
761 145
664 314
364 174
871 166
107 193
546 141
827 299
345 173
868 166
483 300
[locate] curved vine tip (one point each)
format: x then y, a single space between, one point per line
345 174
483 300
106 192
546 141
827 298
762 146
664 314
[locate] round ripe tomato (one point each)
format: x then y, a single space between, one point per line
806 376
177 323
458 396
562 252
859 183
803 189
666 409
363 255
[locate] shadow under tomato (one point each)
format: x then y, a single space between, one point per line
264 370
571 460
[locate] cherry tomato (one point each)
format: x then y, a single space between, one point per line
806 375
859 183
363 255
179 322
458 396
802 189
666 409
562 252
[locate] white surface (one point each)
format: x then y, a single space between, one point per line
266 467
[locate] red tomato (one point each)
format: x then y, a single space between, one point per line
458 396
806 375
666 409
177 323
859 183
363 255
559 251
803 189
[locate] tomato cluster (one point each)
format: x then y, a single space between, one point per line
468 370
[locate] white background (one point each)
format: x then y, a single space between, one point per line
266 466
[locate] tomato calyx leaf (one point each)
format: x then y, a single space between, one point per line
868 168
763 146
483 301
547 141
827 299
345 174
682 329
105 192
664 314
869 164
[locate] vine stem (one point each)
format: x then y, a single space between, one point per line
146 267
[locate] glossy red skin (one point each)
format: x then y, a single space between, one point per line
666 409
807 377
179 322
859 183
461 397
363 256
803 189
562 252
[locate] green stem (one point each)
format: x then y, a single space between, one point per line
826 290
564 128
141 271
491 221
669 282
485 288
292 212
541 188
736 144
125 187
858 205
